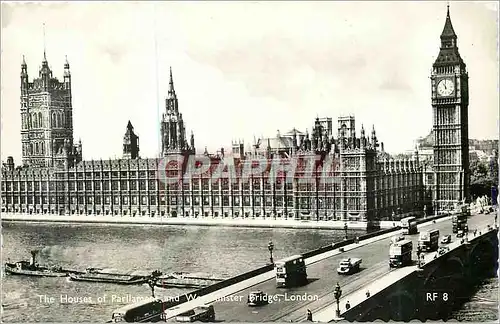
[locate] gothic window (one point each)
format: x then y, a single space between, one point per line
54 123
40 121
36 148
59 119
43 148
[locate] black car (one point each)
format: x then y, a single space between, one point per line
257 298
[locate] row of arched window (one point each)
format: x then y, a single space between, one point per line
37 148
37 120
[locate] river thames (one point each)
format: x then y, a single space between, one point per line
220 251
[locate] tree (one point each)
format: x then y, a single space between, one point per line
484 176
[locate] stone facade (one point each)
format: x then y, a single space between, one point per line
450 101
368 185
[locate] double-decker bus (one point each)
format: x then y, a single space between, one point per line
148 310
400 254
409 225
291 272
458 222
429 240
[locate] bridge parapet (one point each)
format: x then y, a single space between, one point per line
426 293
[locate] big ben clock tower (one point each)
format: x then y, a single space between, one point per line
450 101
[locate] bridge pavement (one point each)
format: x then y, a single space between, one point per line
356 297
321 271
324 277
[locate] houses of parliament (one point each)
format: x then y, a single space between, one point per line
370 186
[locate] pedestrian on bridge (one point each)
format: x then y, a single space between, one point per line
367 294
347 305
309 315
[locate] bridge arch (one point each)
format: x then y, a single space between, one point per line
450 268
483 259
401 306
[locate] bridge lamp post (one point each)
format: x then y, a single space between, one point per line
270 247
419 252
337 293
345 229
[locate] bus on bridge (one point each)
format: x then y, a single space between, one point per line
291 272
459 222
409 225
429 240
400 254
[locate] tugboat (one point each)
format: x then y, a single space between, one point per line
95 275
31 268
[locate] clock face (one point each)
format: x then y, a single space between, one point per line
445 87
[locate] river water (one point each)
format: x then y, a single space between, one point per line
220 251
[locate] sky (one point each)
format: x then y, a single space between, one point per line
245 69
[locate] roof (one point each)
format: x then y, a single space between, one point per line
293 132
448 30
403 242
275 143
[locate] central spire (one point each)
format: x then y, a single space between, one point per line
171 90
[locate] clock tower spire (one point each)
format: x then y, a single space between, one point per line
450 101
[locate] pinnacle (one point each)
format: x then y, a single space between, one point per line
448 30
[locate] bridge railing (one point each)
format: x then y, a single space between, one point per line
247 275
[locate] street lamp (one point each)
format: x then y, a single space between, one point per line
151 283
345 229
153 278
270 247
419 252
337 293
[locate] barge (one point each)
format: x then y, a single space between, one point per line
94 275
31 268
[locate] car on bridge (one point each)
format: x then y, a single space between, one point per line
257 298
396 239
460 234
446 239
203 313
349 266
442 250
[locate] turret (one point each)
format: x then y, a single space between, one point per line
24 77
415 154
45 73
192 143
362 139
294 140
67 75
374 138
130 143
